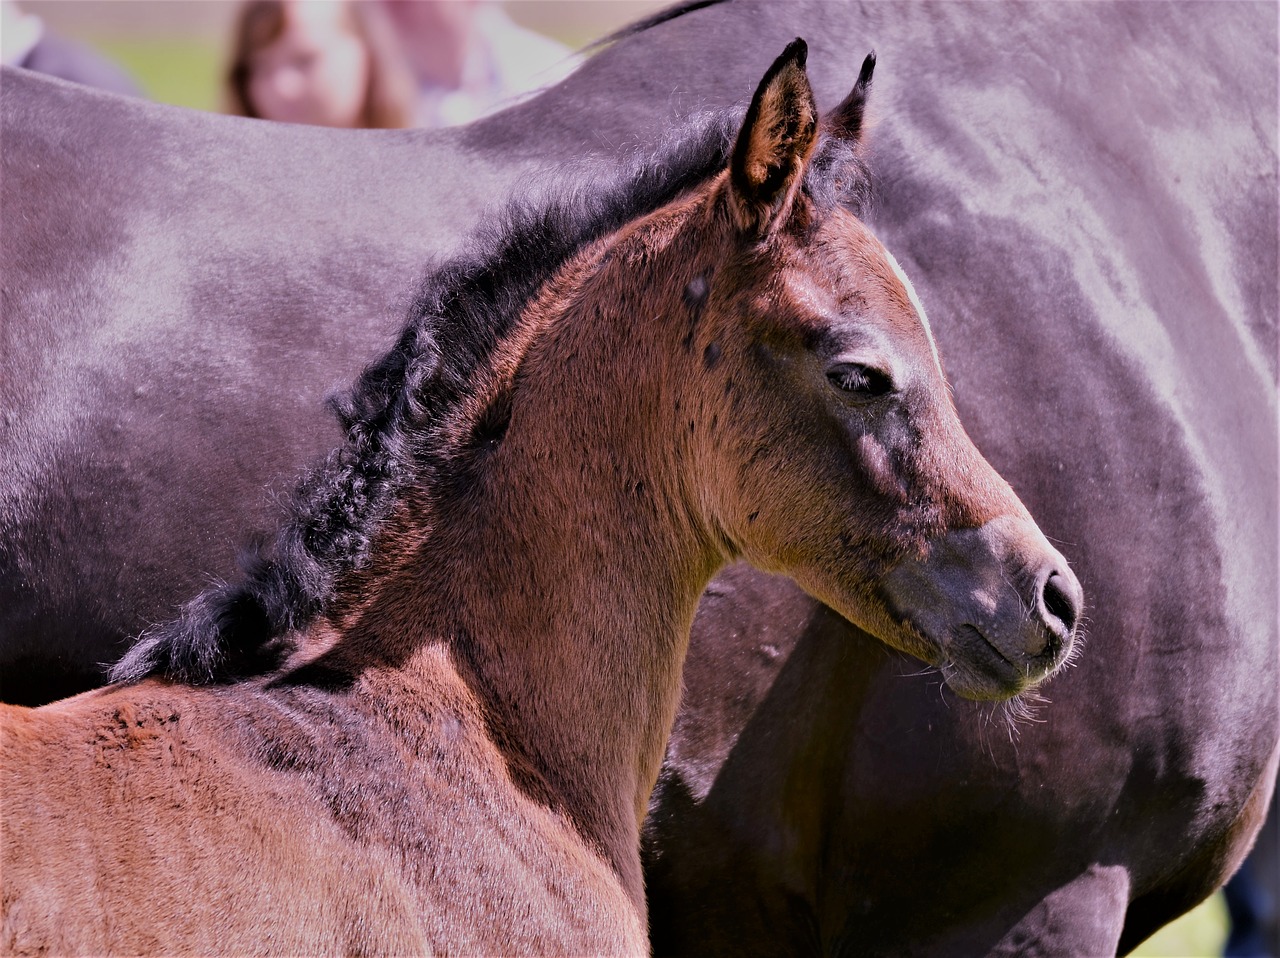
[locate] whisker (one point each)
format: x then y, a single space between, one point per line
927 670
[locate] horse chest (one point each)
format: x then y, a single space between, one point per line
468 859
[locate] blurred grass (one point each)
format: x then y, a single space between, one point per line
176 52
181 71
1198 934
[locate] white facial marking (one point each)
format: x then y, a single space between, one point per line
915 302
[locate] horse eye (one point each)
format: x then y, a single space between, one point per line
862 382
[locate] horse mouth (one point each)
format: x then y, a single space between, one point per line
979 670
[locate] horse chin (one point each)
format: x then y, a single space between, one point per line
983 683
970 663
976 669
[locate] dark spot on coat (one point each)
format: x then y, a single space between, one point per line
711 356
695 294
695 297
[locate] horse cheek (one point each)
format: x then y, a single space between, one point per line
876 466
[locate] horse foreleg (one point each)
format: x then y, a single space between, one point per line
1083 917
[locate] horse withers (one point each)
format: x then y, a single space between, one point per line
432 719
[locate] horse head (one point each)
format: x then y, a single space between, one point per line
896 520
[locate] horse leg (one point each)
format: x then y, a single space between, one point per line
1083 917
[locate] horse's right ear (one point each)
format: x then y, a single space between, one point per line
775 143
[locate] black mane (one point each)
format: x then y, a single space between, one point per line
463 310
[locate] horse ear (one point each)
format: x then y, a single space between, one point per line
845 121
775 142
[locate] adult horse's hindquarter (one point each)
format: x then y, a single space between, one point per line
180 293
433 720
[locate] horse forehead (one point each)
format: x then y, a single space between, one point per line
858 266
890 277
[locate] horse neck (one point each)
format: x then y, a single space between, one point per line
567 571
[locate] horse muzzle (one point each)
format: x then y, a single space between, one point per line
998 604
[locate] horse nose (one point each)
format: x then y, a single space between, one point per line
1059 602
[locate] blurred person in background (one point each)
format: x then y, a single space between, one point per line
469 57
322 62
26 42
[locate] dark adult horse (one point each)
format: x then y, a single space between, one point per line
1092 210
1086 198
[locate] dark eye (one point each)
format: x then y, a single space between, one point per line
860 381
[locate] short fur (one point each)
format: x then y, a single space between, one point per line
182 289
503 564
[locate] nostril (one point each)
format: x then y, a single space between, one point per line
1061 601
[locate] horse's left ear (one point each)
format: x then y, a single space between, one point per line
845 121
776 141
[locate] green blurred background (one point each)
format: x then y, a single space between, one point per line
175 51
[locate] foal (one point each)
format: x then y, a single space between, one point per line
432 722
